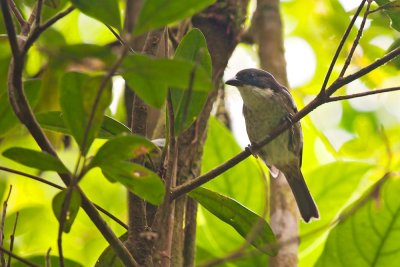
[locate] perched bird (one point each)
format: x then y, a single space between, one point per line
267 104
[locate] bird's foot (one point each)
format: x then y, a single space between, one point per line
288 118
250 149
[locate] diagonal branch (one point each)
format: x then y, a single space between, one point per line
341 44
316 102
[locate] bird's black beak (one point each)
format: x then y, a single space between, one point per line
234 82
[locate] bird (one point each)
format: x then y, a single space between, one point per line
266 105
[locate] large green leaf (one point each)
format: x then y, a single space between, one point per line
392 9
150 77
77 97
239 217
243 183
106 11
8 120
188 104
157 13
336 181
72 207
139 180
53 120
122 148
35 159
369 235
113 159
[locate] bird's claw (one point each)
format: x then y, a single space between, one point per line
288 118
250 149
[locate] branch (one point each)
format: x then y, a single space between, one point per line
8 22
17 14
39 30
28 263
3 220
111 216
341 44
12 236
374 92
316 102
356 41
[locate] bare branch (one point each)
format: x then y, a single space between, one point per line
372 92
48 258
341 44
8 22
316 102
356 41
3 220
111 216
39 9
12 236
28 263
39 30
22 22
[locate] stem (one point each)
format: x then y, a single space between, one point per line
341 44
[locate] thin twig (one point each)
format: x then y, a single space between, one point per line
372 92
28 263
111 216
102 87
121 40
62 220
316 102
39 30
22 22
12 236
39 9
388 5
341 44
12 36
3 220
356 41
48 258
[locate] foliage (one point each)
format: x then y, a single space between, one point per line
349 147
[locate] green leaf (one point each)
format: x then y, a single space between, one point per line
188 104
368 235
139 180
150 77
72 210
54 121
106 11
336 181
77 97
113 158
108 258
8 120
392 9
239 217
157 13
122 148
35 159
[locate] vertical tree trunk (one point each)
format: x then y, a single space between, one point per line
283 209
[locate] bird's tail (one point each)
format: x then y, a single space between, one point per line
305 202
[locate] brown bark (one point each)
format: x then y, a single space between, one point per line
267 33
221 24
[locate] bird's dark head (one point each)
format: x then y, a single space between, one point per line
254 77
